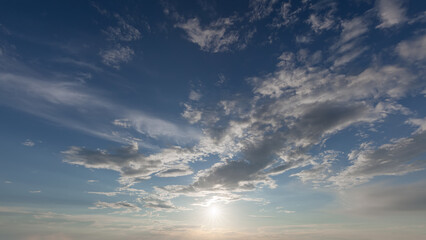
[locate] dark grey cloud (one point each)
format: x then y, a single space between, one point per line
157 203
125 160
382 198
128 207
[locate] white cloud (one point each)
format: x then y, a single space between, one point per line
260 9
319 23
115 56
413 49
303 39
28 143
216 37
391 13
195 95
90 109
319 171
353 29
322 17
192 115
349 46
282 210
221 80
299 107
117 53
109 194
123 32
287 15
35 191
125 123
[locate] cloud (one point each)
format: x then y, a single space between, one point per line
260 9
303 39
382 198
109 194
115 56
194 95
293 109
28 143
123 32
399 157
216 37
126 160
192 115
129 207
157 203
35 191
322 17
176 172
391 13
221 80
282 210
132 165
413 49
56 100
287 15
349 46
319 171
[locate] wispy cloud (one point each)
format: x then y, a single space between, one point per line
123 31
260 9
399 157
55 99
391 13
115 56
413 49
109 194
350 45
119 37
215 37
28 143
323 16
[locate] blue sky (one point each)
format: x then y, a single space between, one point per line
299 120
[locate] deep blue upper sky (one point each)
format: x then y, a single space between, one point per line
197 119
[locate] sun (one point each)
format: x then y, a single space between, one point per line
214 215
214 212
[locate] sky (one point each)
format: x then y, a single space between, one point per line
260 119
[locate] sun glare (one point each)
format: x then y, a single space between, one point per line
214 212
